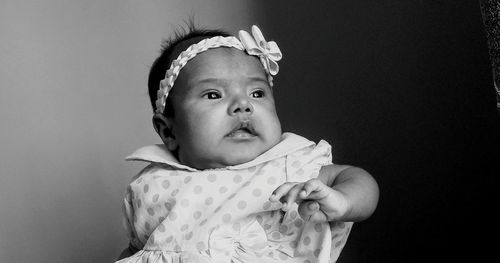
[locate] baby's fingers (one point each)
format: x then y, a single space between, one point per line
282 190
314 189
309 211
286 193
292 196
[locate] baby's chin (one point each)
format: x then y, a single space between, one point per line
215 162
225 161
227 156
234 158
246 154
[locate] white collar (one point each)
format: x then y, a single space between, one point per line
158 153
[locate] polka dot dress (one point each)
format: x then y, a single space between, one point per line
175 213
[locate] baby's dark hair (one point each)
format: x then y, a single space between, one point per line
162 63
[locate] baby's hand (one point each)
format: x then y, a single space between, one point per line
317 201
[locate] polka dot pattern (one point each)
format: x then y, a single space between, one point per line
237 179
212 178
172 216
178 209
155 198
197 215
307 240
198 189
226 218
318 227
209 201
272 180
222 189
151 211
242 204
298 222
283 229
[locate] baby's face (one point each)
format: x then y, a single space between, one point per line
224 112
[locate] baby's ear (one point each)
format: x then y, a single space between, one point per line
164 127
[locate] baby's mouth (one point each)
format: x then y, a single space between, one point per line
242 130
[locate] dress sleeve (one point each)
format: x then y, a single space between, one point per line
301 166
305 163
128 219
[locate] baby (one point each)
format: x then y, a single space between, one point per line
227 185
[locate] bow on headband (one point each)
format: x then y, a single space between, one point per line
268 52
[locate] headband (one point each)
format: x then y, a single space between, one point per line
256 45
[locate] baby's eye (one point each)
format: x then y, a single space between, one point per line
212 95
257 94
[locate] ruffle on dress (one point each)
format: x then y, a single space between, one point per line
225 245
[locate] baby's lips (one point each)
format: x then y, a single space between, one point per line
243 126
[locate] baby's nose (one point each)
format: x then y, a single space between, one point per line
241 105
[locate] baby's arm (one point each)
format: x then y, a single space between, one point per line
340 193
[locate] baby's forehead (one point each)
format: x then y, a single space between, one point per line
220 66
224 62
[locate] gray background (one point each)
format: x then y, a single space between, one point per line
73 104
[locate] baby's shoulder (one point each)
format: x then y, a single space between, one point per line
309 153
153 173
305 163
